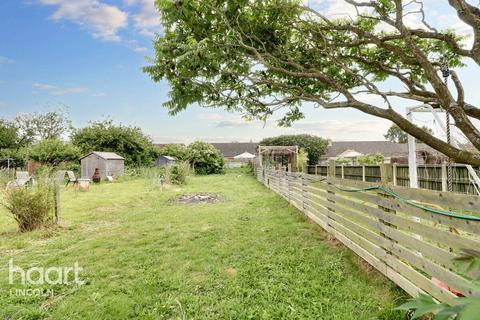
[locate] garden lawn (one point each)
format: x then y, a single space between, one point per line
252 256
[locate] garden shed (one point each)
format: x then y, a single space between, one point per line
164 160
108 164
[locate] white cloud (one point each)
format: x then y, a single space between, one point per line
58 91
99 94
102 20
147 19
337 130
140 49
44 86
5 60
211 116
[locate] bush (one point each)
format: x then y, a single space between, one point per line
53 152
177 173
129 142
178 151
371 159
30 207
205 159
302 160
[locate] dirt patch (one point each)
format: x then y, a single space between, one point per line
197 198
231 271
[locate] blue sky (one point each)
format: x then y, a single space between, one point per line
86 55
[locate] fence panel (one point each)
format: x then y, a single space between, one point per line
411 244
431 177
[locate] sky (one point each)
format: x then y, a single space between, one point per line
85 56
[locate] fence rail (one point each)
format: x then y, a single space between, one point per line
412 245
431 177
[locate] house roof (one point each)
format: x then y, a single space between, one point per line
245 155
232 149
105 155
349 154
387 148
227 149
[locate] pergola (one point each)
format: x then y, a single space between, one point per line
275 152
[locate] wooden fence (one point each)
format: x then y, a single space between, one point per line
412 246
432 177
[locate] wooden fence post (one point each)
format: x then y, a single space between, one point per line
304 192
57 202
444 177
394 169
363 173
386 173
331 168
316 170
343 172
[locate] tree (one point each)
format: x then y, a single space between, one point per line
371 159
129 142
314 146
178 151
37 126
53 152
8 135
205 158
258 57
396 134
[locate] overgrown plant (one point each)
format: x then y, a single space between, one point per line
371 159
302 160
458 308
205 159
177 173
30 207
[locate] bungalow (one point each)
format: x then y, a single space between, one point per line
393 152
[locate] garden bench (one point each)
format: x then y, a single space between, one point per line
22 179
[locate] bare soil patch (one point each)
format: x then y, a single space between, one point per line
197 198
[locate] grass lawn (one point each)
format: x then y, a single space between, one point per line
252 256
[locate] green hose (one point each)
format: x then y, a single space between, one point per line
410 202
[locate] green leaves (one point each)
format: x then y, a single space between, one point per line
458 308
53 152
205 159
422 305
129 142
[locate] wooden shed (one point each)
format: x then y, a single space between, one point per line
164 160
108 163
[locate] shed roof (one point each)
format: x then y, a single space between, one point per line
105 155
168 158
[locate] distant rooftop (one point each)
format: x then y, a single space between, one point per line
228 149
387 148
105 155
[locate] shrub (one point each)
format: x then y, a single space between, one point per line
302 160
177 173
178 151
371 159
53 152
205 159
30 207
129 142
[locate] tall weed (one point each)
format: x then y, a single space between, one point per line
30 207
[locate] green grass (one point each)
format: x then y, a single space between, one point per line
252 256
